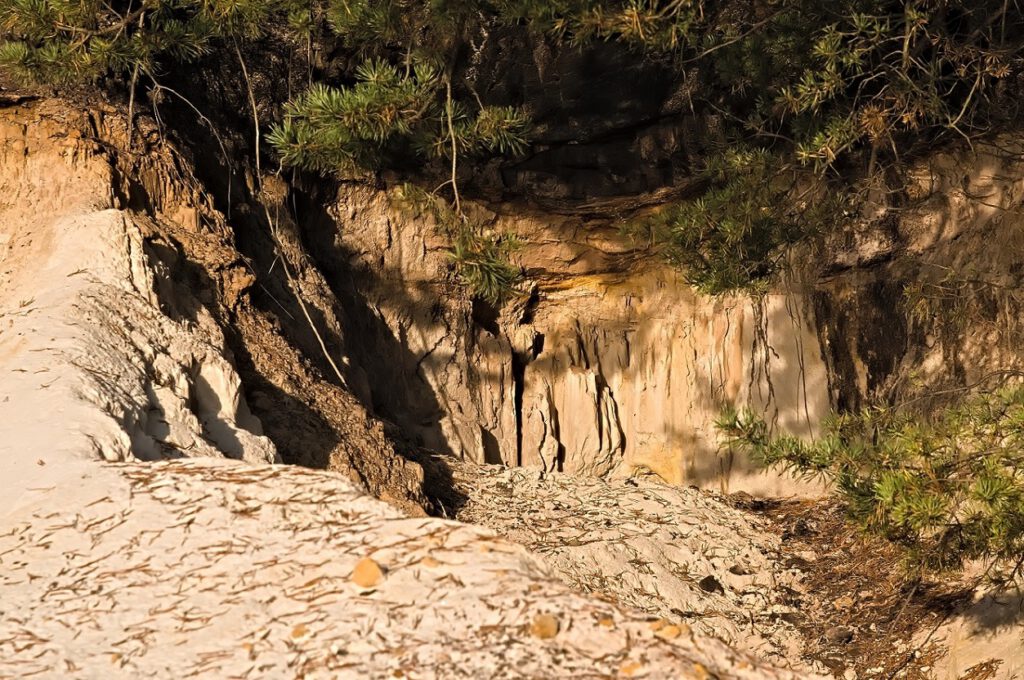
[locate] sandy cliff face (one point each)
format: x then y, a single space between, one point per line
91 360
132 330
127 330
917 308
608 365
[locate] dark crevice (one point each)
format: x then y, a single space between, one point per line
519 363
485 315
530 309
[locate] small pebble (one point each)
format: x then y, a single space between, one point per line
710 584
844 602
544 626
839 635
367 574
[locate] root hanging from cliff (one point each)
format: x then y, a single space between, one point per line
761 353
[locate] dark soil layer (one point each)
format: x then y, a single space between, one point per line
862 611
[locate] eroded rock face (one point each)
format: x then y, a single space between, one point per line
610 365
91 360
127 328
636 379
916 309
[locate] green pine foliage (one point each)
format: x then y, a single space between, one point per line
331 129
950 489
75 42
653 25
399 107
482 261
840 90
386 115
844 91
401 110
735 234
480 257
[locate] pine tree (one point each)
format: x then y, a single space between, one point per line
837 92
949 489
402 107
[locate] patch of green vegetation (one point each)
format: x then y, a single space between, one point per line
734 235
948 489
74 42
481 257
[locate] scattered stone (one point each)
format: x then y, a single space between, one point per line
649 546
702 673
839 635
670 632
710 584
367 574
630 668
544 626
843 603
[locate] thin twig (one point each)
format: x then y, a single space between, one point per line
274 233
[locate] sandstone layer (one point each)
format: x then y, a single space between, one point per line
608 363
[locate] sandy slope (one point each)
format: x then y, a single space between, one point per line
218 569
677 553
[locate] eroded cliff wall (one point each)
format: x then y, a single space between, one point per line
127 329
607 364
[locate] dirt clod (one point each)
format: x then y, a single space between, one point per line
839 635
710 584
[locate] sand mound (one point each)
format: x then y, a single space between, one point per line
218 569
676 553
